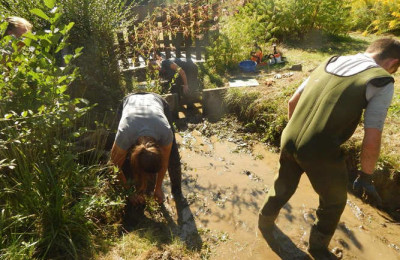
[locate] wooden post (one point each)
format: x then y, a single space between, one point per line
188 45
167 45
178 44
198 47
206 42
122 49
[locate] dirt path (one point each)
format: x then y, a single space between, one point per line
225 183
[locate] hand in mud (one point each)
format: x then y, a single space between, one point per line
159 195
137 199
364 184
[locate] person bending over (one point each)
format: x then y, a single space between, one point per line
145 147
181 76
323 113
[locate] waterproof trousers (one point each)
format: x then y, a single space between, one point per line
328 177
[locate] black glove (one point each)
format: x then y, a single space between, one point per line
364 185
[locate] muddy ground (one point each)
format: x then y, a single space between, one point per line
226 177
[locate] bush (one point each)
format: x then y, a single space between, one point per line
380 16
51 206
254 22
96 22
297 18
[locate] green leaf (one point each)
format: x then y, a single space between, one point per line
30 35
55 18
8 116
39 13
50 3
41 109
24 114
61 89
67 58
78 50
61 79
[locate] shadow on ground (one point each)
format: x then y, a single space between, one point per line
283 246
161 225
319 42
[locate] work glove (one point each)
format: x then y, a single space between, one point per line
363 185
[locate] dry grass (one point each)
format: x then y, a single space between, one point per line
139 246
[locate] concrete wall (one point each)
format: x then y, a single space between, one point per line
213 103
173 103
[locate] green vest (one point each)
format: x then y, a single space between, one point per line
328 112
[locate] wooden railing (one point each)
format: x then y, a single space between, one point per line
172 45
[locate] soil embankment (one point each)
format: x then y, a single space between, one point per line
226 179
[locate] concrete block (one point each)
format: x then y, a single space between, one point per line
296 67
173 102
213 103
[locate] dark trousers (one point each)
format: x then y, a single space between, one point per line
328 177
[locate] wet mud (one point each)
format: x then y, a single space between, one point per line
226 177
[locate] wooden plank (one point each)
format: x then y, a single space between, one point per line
188 46
122 49
198 48
178 44
167 45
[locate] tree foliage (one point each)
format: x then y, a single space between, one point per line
51 205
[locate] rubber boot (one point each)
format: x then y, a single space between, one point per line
318 245
266 223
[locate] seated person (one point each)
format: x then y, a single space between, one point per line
145 147
181 75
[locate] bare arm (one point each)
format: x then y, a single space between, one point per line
293 103
295 98
370 149
165 153
118 156
182 73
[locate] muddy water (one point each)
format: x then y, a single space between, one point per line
225 183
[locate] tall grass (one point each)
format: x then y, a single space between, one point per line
260 112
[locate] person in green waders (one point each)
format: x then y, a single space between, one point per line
323 113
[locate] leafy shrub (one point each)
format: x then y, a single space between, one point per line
298 17
362 14
96 22
387 16
261 16
51 206
378 16
254 22
22 9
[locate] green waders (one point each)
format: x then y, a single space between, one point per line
329 180
326 115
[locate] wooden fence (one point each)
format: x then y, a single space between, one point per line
172 45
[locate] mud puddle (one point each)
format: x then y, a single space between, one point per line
225 182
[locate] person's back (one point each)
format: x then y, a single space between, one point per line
143 115
328 112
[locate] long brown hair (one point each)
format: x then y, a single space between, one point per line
145 161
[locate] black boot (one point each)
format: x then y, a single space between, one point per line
266 223
318 245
